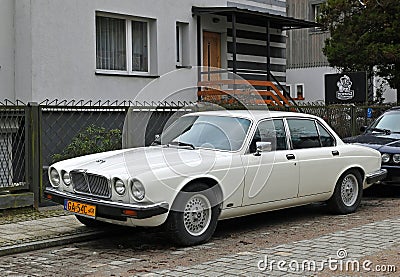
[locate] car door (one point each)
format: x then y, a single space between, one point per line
317 155
273 175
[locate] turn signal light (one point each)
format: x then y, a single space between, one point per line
129 212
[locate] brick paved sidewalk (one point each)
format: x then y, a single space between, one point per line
30 234
344 247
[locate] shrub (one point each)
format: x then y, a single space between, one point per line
93 139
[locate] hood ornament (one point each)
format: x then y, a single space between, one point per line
100 161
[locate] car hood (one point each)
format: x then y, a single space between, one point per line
384 143
139 160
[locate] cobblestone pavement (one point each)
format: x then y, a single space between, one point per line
29 230
238 248
346 248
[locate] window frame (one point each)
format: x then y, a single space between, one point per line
128 40
178 44
312 15
297 93
316 123
285 129
319 123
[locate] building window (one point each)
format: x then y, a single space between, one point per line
181 42
122 44
178 44
300 91
316 11
110 43
289 90
140 50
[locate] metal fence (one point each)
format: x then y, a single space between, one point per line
34 135
12 147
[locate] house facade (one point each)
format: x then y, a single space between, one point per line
132 49
306 64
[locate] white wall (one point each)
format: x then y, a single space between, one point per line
63 48
313 80
47 48
7 44
314 86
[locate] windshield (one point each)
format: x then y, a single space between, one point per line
389 121
216 132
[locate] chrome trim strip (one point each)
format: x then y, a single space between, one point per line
138 207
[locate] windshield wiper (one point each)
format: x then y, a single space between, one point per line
180 143
386 131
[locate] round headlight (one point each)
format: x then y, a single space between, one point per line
66 178
137 189
385 158
54 177
119 186
396 158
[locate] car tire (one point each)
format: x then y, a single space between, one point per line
89 222
348 192
193 217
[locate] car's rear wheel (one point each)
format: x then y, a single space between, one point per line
348 192
194 215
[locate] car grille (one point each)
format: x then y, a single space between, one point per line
90 184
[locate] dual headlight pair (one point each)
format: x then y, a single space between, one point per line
386 158
137 188
55 177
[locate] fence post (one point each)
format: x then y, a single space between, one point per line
353 115
33 153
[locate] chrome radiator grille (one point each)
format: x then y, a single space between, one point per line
90 184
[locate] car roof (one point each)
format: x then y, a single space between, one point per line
253 114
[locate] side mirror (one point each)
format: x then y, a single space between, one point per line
363 129
263 146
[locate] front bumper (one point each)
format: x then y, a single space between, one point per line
109 209
393 175
376 176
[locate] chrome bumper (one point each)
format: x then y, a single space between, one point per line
376 176
110 209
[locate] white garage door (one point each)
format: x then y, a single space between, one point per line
5 161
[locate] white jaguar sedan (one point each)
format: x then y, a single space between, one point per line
209 166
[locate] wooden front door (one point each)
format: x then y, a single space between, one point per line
211 51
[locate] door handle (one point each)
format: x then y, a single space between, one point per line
290 157
335 153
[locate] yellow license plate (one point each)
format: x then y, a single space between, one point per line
80 208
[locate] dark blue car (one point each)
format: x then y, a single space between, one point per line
384 135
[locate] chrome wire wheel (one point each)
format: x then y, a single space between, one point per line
349 190
197 215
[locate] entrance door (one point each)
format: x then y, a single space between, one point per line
211 54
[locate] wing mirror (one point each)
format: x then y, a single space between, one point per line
263 146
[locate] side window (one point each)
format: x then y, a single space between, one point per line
303 133
326 139
270 131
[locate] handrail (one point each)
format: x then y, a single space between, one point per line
214 88
286 94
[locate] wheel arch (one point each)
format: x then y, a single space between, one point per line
210 182
358 168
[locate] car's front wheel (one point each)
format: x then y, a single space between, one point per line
348 192
194 215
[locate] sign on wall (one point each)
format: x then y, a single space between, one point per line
346 88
